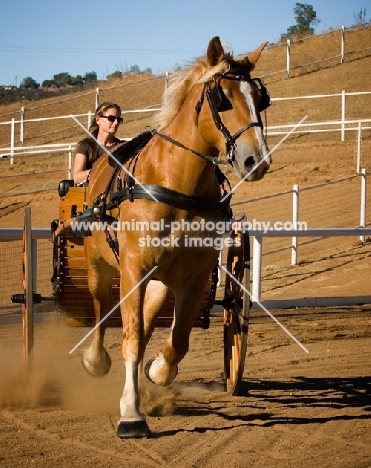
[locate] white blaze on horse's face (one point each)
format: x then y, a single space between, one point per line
252 158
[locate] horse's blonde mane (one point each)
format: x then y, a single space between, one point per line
180 84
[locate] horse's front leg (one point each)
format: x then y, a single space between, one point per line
131 423
96 361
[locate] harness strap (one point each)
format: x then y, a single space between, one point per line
170 197
214 160
214 99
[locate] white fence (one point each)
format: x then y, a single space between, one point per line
303 302
342 125
258 236
298 220
336 46
294 58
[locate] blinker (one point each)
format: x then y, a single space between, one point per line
265 99
215 96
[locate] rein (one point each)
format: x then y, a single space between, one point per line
215 160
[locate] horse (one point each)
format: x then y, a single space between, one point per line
172 187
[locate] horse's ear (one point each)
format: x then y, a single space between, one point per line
253 57
215 51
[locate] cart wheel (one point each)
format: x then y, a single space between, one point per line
236 310
27 305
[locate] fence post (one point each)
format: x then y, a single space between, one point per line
362 221
21 131
359 147
12 125
34 263
342 115
295 217
288 48
342 44
97 97
90 118
257 268
70 163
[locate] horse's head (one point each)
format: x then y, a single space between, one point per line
229 110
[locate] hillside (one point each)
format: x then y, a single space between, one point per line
323 75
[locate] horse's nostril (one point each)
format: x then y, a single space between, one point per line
250 161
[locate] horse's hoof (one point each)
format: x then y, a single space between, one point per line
152 371
133 429
97 370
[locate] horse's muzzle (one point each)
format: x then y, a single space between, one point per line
255 170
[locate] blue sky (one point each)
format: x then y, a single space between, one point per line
41 38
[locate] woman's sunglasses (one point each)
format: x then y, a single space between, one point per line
112 118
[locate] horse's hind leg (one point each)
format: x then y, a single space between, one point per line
96 361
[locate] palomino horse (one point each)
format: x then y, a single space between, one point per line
166 190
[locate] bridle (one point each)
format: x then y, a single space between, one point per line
215 100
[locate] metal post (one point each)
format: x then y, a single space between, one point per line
288 48
69 176
359 147
12 141
21 131
34 263
27 306
362 220
343 115
90 118
342 44
96 97
295 217
166 80
257 268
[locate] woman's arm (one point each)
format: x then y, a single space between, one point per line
80 173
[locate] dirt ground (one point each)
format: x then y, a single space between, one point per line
295 409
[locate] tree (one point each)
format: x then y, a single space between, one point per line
77 80
29 82
134 70
62 79
306 19
49 84
90 76
115 74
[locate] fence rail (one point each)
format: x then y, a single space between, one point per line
258 236
298 219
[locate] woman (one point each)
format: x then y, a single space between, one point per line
105 124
